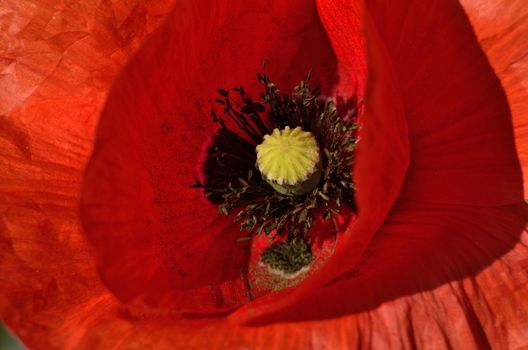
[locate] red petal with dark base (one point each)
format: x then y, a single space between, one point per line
159 240
52 298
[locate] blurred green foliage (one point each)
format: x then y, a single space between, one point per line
8 341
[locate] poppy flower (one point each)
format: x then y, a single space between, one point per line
104 122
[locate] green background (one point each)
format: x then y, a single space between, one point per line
7 341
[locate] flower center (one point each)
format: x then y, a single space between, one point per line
289 160
303 150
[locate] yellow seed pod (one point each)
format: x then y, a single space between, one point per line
289 160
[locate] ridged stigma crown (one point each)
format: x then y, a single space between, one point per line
288 157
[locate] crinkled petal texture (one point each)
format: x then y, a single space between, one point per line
445 268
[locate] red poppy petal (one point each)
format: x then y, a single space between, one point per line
57 63
501 28
487 310
460 122
157 238
342 22
383 142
